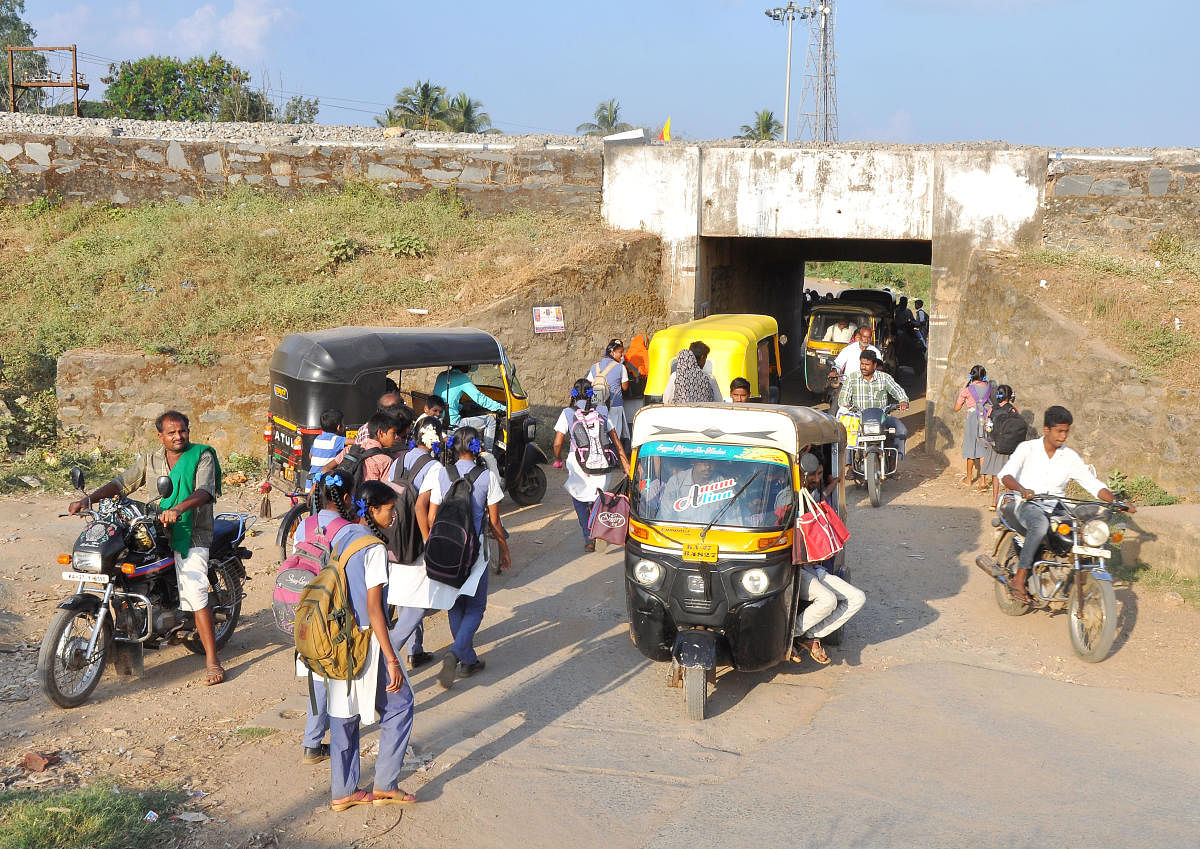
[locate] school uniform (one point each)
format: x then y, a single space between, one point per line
413 633
583 488
466 614
365 697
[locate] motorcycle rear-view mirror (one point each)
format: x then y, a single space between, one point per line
77 478
165 487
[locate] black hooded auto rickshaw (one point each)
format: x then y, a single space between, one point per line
348 368
711 559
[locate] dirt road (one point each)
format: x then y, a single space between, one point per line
938 721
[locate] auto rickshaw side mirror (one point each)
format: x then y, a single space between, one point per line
165 487
783 339
77 478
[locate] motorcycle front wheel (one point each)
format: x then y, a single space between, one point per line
225 601
1092 619
871 473
67 675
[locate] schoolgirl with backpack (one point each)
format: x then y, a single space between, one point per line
464 499
341 632
1007 429
595 450
976 396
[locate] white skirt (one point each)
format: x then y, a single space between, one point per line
410 586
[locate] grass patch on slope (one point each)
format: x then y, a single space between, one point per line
101 816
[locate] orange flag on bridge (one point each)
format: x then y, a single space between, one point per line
665 133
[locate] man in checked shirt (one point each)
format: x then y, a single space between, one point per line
871 388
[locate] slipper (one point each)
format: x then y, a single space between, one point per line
214 675
401 798
818 653
362 797
1020 595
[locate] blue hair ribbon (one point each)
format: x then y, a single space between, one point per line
333 480
474 445
574 392
361 504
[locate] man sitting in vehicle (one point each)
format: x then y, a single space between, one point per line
1045 466
840 333
872 388
847 361
453 384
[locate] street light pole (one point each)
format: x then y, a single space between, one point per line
787 14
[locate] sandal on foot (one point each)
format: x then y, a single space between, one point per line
815 650
362 797
392 797
215 674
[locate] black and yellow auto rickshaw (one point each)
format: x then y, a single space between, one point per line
831 325
347 368
711 559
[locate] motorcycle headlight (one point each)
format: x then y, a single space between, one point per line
871 428
755 581
646 572
86 561
1095 532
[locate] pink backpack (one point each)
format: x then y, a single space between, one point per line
295 572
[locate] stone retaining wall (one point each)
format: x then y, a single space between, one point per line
1121 201
128 170
115 397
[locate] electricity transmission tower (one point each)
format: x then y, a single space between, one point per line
819 104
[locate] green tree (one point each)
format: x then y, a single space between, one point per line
606 120
300 110
16 32
162 88
764 127
465 115
419 107
241 103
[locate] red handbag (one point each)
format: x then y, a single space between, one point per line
815 530
835 522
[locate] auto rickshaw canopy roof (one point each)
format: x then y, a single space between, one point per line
733 342
344 354
781 426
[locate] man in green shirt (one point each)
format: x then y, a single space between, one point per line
871 388
188 515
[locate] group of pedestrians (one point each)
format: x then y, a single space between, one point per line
993 429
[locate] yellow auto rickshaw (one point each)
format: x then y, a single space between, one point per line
712 558
740 345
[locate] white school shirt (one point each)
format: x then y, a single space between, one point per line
848 361
1031 468
580 485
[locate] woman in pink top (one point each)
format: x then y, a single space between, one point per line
975 396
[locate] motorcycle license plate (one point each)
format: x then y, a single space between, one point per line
85 577
289 474
1088 551
699 552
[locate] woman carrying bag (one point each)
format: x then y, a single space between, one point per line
583 424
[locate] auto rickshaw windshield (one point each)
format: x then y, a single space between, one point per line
826 324
691 483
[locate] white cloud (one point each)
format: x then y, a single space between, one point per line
196 33
66 23
250 23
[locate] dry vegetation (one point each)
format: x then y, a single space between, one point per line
1130 301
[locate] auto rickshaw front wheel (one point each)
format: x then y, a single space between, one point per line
531 489
695 691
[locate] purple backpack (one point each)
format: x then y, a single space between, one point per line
295 572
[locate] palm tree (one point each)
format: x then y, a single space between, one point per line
607 120
467 115
419 107
763 128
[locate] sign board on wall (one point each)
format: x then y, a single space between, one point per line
548 320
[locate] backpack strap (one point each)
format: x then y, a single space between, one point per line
607 369
409 475
353 547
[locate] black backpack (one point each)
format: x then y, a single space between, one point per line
1008 430
453 543
404 535
353 462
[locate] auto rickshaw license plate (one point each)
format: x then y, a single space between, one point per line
289 474
699 552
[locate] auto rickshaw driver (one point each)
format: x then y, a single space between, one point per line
453 384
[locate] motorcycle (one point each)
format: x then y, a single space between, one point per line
1070 571
869 457
127 598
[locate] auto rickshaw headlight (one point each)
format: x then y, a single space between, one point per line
755 581
1095 532
646 572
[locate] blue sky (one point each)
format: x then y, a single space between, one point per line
1045 72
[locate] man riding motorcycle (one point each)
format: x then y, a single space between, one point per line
1045 466
871 388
